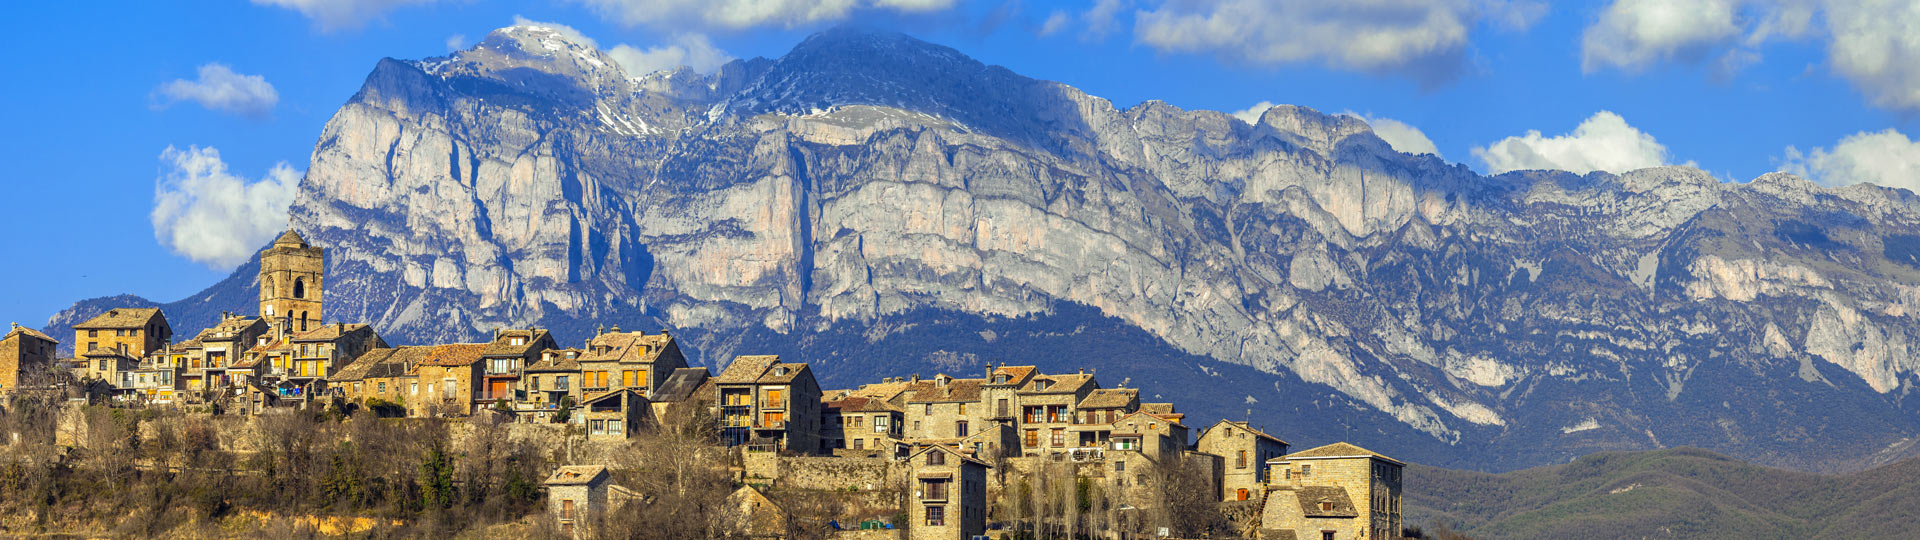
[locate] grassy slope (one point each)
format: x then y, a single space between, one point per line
1677 493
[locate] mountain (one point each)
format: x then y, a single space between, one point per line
879 205
1678 493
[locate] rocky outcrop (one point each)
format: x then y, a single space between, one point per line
865 179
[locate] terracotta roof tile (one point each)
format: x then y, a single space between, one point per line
120 318
1339 449
1110 398
456 354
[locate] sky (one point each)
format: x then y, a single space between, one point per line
153 146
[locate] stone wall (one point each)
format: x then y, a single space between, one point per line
823 473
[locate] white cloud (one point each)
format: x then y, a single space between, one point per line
456 42
1402 136
1887 158
333 15
1631 34
1424 39
565 32
220 89
1604 142
213 217
738 14
1055 23
691 50
1870 43
1251 115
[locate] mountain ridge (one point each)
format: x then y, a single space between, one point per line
1489 315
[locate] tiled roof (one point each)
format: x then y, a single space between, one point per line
1158 409
680 385
625 347
1015 374
860 404
456 354
576 475
327 332
1339 449
761 369
29 332
120 318
290 238
556 360
363 367
502 344
1312 497
1249 428
1061 384
1110 398
967 390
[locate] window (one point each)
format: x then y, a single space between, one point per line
1119 466
1240 494
936 516
855 421
382 386
1000 379
597 427
1033 438
560 383
929 410
414 388
1001 410
93 333
933 490
517 340
880 424
963 408
1059 437
1326 535
614 427
775 397
93 346
859 444
1326 506
1305 470
536 383
1240 461
960 429
1128 443
300 289
566 509
773 419
916 426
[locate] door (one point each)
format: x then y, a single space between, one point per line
497 389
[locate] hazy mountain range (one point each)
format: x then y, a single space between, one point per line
882 206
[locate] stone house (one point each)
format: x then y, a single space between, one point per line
110 365
683 399
1336 491
1152 435
1047 404
133 332
548 383
505 360
385 374
614 416
859 423
634 360
768 405
1093 417
153 380
944 408
1242 450
756 516
949 494
578 494
999 395
24 350
317 354
448 379
212 355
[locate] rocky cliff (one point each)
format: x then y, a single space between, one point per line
886 205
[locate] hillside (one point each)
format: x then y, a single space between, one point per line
1677 493
887 205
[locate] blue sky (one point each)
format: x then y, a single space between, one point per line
240 90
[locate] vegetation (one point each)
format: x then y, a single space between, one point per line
1678 493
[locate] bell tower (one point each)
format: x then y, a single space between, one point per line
290 283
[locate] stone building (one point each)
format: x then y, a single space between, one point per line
1000 394
616 359
578 494
859 423
448 380
615 416
24 350
1337 491
1047 404
1154 436
684 400
385 374
767 404
1242 450
1094 416
755 516
944 408
318 353
548 384
949 494
132 332
291 282
212 355
505 360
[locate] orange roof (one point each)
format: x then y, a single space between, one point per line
453 354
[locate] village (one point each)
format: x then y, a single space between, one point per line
951 446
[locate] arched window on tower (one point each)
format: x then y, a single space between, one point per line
300 287
303 317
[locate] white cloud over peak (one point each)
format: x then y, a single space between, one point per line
1887 158
332 15
1870 43
213 217
691 50
1604 142
456 42
738 14
565 32
1403 137
1424 39
220 89
1251 115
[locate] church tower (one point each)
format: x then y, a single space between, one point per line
290 283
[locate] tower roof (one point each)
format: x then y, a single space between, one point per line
290 238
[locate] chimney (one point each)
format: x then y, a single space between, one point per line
598 329
916 377
1083 371
664 332
616 328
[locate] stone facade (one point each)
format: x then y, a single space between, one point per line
767 404
1047 410
23 350
1242 450
948 499
615 359
1346 490
577 494
292 277
616 415
133 332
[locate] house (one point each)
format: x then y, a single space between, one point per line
684 399
756 516
549 385
133 332
318 353
1335 491
24 350
944 408
769 405
1000 394
1152 435
1094 415
614 416
578 494
153 380
634 360
505 359
1047 404
859 423
949 494
213 353
110 365
447 379
1241 449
